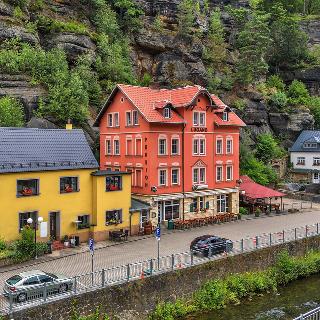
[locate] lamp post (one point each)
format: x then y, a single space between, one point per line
30 221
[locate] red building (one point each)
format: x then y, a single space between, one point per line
181 145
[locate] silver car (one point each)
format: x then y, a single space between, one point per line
35 284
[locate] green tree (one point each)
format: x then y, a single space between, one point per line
11 112
215 51
253 43
267 148
186 17
291 6
298 93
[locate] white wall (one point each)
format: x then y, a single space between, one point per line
309 160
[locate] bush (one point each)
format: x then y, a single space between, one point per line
239 104
3 245
279 100
275 81
11 112
243 210
298 93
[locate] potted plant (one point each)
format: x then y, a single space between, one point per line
257 212
66 242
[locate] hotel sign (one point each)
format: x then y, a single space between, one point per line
199 129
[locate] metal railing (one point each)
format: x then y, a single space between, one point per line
41 294
311 315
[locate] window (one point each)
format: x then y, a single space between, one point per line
116 147
69 184
129 149
223 203
194 205
31 281
175 146
219 146
201 203
310 145
139 177
229 146
138 147
199 119
144 216
199 146
219 173
316 161
84 222
225 116
113 183
135 117
110 120
199 175
171 209
24 216
162 147
175 176
113 217
117 169
162 177
229 173
128 118
108 147
27 188
167 113
316 175
45 279
116 119
301 160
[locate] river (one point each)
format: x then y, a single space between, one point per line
298 297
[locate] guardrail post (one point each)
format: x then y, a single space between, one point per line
172 261
295 233
270 239
317 228
128 272
151 266
103 277
257 242
10 302
75 285
242 245
306 231
283 237
191 258
45 292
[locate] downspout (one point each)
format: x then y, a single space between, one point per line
183 186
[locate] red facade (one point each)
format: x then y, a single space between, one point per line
173 141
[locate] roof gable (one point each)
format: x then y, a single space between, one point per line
27 150
306 136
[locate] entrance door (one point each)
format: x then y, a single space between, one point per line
316 177
54 225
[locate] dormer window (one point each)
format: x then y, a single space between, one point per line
167 113
310 145
225 116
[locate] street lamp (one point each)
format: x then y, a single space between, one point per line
30 221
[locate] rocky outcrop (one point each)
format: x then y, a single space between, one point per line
20 87
11 32
312 29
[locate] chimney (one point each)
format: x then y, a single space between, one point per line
69 125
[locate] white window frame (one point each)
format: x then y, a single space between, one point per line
221 175
196 175
165 146
135 118
178 176
230 141
196 146
229 167
195 118
178 146
165 177
106 147
204 115
115 148
222 198
225 116
116 119
202 140
167 113
205 175
128 117
219 140
301 160
316 161
109 117
135 147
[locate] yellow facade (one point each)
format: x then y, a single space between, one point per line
91 199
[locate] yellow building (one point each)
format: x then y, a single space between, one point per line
53 174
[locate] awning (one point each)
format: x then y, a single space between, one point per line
166 197
254 190
138 205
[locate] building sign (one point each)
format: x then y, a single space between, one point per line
201 129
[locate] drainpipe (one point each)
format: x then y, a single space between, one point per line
183 187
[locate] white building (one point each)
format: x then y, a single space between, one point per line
305 156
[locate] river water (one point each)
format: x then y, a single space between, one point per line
298 297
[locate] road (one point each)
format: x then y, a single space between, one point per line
174 242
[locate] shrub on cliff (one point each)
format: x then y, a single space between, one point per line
11 112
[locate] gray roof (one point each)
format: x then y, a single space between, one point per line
137 205
27 150
109 173
310 136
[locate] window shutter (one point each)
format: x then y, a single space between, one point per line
207 205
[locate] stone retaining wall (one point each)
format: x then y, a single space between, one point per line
133 300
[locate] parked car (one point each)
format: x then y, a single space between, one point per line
32 284
209 245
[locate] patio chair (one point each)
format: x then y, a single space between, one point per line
125 235
110 236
